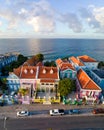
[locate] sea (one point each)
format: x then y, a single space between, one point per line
54 48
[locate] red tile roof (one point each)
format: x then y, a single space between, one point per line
86 82
59 61
48 73
76 61
63 65
86 58
28 72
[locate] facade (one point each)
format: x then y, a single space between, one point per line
48 78
66 69
98 77
88 61
13 82
33 79
86 87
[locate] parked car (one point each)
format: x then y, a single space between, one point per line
98 111
55 112
74 111
23 113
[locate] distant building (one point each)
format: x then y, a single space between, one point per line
6 59
88 61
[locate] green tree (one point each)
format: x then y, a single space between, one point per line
3 85
49 63
39 57
66 86
101 65
21 59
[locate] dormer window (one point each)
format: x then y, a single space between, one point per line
51 71
31 71
44 71
25 71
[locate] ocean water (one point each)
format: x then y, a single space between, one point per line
55 48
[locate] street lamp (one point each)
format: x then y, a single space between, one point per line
5 118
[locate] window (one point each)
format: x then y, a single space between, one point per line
25 71
31 71
44 71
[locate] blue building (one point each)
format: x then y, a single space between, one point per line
13 82
6 59
98 77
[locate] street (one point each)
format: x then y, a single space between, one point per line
55 123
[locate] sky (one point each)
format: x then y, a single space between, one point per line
52 19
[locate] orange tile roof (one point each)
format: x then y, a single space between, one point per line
76 61
86 82
86 58
65 66
28 72
48 73
59 61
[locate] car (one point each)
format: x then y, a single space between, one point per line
73 111
22 113
55 112
98 111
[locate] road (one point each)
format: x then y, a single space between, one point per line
55 123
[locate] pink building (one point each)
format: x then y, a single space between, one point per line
86 87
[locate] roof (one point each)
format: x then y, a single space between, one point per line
48 73
86 82
86 58
63 65
76 61
28 72
59 61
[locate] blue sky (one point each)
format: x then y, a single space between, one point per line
52 18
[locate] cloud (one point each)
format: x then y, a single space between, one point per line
39 17
99 16
94 17
72 21
42 24
42 17
0 23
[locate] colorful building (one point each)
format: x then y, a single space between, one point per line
88 61
66 69
86 87
98 77
77 63
6 59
